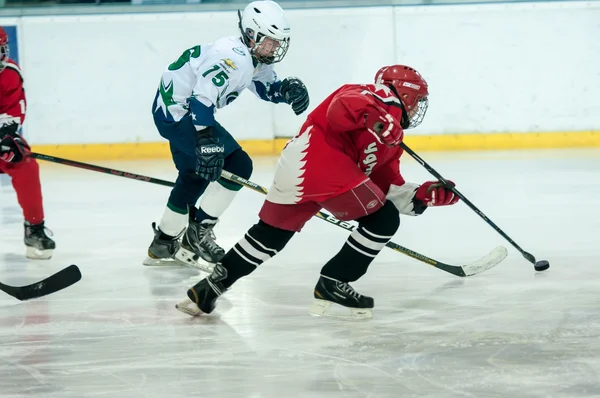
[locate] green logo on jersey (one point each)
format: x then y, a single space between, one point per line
193 52
231 97
239 50
166 93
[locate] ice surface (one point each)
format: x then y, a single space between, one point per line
509 332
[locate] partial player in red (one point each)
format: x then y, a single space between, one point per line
346 159
23 170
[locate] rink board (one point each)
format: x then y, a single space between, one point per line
457 142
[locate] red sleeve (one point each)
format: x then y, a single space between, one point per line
347 108
387 175
12 98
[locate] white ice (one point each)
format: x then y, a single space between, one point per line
509 332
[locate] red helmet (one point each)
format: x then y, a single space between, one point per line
410 87
3 48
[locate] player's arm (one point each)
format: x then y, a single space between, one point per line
13 95
410 198
357 108
291 90
13 147
266 86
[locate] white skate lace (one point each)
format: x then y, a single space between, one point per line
35 231
209 237
346 288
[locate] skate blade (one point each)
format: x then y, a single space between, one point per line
191 259
187 306
162 262
333 310
37 254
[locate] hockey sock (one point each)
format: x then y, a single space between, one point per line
363 245
219 195
173 221
215 200
201 215
260 243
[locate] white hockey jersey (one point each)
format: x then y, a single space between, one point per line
209 77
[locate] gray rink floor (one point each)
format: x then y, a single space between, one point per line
509 332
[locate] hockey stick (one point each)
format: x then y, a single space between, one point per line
481 265
539 266
52 284
100 169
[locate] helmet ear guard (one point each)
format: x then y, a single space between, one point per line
244 37
247 34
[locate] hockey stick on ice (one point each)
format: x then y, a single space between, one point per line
52 284
481 265
528 256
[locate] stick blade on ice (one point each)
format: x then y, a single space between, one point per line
494 258
52 284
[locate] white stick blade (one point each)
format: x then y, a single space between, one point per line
494 258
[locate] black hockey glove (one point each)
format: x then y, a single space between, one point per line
210 154
295 93
13 147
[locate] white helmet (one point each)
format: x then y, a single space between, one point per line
265 19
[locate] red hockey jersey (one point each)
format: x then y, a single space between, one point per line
340 118
334 152
12 94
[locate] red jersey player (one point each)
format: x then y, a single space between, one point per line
345 159
23 170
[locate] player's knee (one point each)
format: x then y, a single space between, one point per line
239 163
187 190
384 222
269 236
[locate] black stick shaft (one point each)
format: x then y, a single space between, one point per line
455 270
437 175
101 169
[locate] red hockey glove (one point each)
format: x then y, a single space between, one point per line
434 193
383 126
13 147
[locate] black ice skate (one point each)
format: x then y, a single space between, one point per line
39 245
202 296
330 291
199 243
162 251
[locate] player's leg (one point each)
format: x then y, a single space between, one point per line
25 177
177 213
378 221
199 239
278 223
187 190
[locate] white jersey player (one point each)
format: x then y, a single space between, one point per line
203 79
212 76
